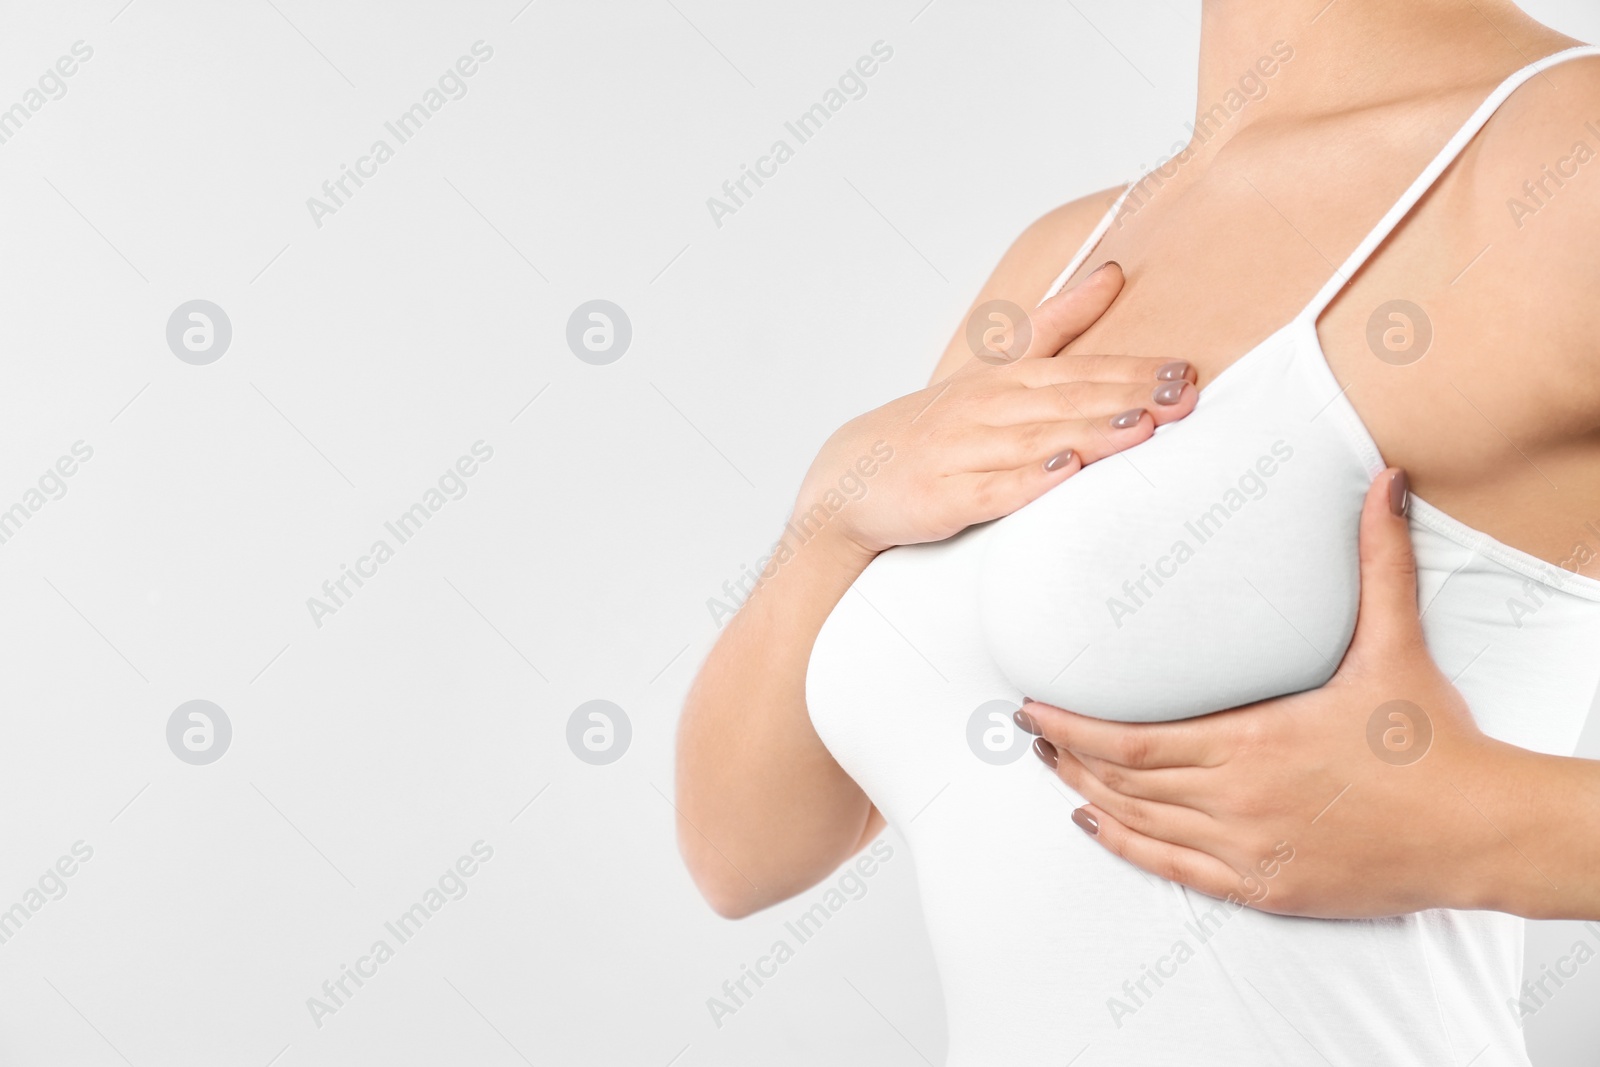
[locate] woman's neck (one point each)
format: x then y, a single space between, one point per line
1349 54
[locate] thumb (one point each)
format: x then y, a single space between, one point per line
1388 613
1058 321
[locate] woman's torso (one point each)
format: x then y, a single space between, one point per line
1049 947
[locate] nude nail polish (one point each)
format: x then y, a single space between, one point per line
1086 822
1045 751
1169 393
1175 371
1059 460
1025 722
1128 419
1400 493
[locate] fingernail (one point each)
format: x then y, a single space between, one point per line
1025 722
1103 266
1175 371
1169 393
1128 419
1086 822
1399 493
1059 460
1045 751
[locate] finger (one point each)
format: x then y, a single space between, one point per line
1184 787
1004 448
1202 742
1165 401
1132 370
1187 866
1006 471
1058 321
994 494
1388 615
1169 822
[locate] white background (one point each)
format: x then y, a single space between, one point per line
371 752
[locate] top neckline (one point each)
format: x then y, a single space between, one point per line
1305 324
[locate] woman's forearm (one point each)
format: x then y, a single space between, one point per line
1542 835
764 810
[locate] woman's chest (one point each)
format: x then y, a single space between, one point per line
1451 357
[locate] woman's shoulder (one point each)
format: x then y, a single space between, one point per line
1535 189
1036 257
1043 250
1542 149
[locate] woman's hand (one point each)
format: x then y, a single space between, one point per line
993 436
1374 795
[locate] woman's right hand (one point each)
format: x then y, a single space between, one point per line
993 436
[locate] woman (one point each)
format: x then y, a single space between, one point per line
1378 270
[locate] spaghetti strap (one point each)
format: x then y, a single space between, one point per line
1428 177
1088 245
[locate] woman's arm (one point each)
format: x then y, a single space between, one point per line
764 810
1544 859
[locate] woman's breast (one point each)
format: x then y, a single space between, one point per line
1214 565
1211 566
901 686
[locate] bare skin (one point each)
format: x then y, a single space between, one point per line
1499 425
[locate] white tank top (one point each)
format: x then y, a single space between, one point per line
1213 565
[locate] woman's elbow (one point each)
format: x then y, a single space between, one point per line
729 893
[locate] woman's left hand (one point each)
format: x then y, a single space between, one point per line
1376 794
